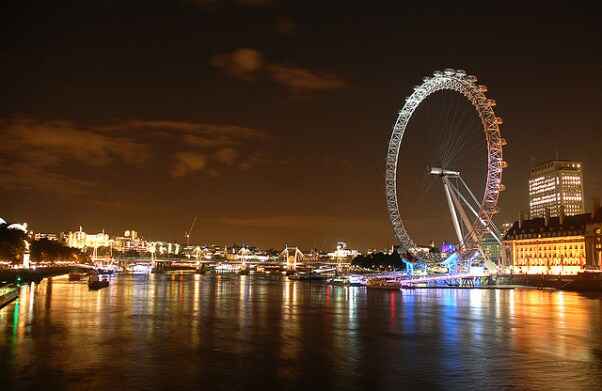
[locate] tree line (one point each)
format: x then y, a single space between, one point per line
12 248
378 260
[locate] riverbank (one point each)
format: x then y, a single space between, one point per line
8 293
583 282
9 276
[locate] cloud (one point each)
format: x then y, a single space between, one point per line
248 64
66 139
33 153
252 161
187 163
303 80
226 156
24 176
38 154
160 125
241 63
208 135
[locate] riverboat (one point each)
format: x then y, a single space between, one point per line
139 268
76 276
357 280
96 283
307 277
383 284
339 281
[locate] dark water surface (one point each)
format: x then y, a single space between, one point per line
185 331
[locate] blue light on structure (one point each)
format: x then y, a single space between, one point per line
451 262
448 248
411 266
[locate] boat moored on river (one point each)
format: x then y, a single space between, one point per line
139 268
94 282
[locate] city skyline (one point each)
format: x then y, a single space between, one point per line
267 121
293 195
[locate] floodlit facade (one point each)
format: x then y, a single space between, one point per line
342 252
130 241
593 246
163 248
555 245
49 236
593 239
554 185
80 239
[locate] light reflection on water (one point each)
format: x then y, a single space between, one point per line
185 331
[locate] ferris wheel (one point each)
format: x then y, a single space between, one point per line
472 216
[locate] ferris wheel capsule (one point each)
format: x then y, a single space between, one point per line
449 71
460 73
503 142
437 73
482 88
471 78
499 120
491 102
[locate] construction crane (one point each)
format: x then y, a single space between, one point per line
187 235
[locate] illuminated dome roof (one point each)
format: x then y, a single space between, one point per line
20 227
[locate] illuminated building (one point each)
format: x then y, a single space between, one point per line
49 236
554 184
555 245
80 239
131 234
342 252
593 238
130 241
163 248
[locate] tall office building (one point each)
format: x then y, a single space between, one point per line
556 184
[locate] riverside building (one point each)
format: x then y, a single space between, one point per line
556 245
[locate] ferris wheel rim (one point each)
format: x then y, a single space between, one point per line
456 81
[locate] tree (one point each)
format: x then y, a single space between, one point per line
51 251
378 261
12 244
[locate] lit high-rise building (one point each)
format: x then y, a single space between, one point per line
556 184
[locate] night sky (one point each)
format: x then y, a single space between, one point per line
269 120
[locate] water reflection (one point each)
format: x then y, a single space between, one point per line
182 330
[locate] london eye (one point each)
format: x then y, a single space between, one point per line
445 152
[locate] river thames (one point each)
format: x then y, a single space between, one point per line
186 331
